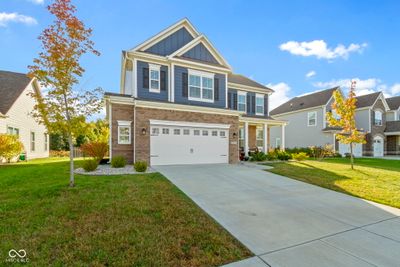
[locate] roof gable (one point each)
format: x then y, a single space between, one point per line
299 103
176 35
202 39
200 52
243 80
12 85
369 100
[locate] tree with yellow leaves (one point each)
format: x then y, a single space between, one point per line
345 109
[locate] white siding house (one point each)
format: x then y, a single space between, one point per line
15 114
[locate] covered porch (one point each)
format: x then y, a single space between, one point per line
254 134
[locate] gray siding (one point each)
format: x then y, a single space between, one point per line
200 52
144 92
171 43
362 119
184 100
298 134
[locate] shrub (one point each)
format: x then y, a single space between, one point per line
320 152
283 155
140 166
118 162
10 146
97 150
295 150
300 156
271 156
258 156
60 154
90 165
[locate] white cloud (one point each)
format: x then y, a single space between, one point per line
38 2
6 18
311 74
320 49
363 87
280 96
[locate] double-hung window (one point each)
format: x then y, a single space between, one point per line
378 118
241 102
154 78
13 131
201 86
259 137
259 104
33 141
312 118
124 132
241 137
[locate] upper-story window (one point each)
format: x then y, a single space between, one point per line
201 86
154 74
312 118
13 131
378 118
241 103
259 104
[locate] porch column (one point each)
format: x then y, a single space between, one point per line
283 137
266 143
246 138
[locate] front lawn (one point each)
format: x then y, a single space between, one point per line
129 220
373 179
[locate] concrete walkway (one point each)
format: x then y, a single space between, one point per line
285 222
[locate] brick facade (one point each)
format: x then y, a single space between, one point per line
368 148
143 117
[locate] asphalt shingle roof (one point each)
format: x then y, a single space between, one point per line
240 79
367 100
12 84
306 101
393 102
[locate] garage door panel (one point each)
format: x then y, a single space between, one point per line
193 147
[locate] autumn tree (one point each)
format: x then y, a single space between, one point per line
10 146
63 108
344 119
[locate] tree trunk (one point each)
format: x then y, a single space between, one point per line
351 156
71 162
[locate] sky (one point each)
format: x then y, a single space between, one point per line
294 47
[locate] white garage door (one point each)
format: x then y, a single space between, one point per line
345 148
188 143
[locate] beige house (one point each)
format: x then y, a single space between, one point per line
15 108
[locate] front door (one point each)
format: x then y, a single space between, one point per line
378 146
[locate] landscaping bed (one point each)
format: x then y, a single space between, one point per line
115 220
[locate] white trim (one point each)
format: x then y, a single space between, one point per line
172 78
189 124
242 93
383 101
125 124
268 106
283 138
157 68
226 91
263 104
369 119
324 117
134 75
392 133
201 75
134 134
183 23
308 119
263 120
266 141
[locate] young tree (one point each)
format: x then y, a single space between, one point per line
63 109
345 109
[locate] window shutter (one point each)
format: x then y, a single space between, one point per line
216 89
248 103
265 105
230 100
146 78
253 104
184 84
162 80
235 101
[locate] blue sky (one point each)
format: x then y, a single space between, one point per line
277 43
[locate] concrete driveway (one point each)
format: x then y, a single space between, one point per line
285 222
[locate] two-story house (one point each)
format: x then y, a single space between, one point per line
180 103
15 113
392 130
307 125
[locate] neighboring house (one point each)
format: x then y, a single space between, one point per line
392 130
180 103
15 108
307 125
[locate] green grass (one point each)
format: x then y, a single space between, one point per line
372 179
129 220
